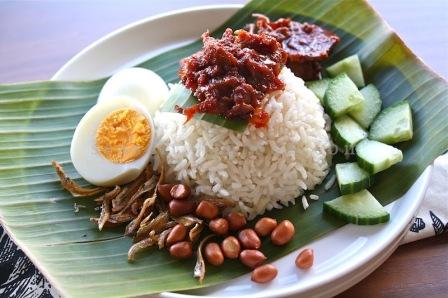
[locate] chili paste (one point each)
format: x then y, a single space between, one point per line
306 44
231 76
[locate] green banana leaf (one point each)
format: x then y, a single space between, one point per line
37 121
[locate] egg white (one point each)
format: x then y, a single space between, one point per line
140 84
86 158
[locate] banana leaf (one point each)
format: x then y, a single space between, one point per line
37 121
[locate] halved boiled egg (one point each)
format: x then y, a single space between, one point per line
140 84
113 142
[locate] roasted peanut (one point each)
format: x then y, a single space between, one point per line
249 239
207 210
179 208
305 259
265 226
180 192
283 233
181 250
231 247
213 254
177 234
264 274
252 258
219 226
164 191
237 220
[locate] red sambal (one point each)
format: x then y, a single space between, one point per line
231 76
306 44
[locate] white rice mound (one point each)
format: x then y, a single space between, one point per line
260 168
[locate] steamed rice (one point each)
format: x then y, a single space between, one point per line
260 169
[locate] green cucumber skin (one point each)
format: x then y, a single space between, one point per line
377 130
366 165
384 164
351 66
334 90
357 186
366 112
356 220
360 208
358 179
340 140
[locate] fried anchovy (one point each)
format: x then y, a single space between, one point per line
195 232
74 188
147 218
162 237
188 220
145 188
130 189
157 224
135 223
199 268
121 218
142 245
106 208
107 224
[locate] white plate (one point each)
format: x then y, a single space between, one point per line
343 257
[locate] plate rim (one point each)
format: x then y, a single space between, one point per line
280 291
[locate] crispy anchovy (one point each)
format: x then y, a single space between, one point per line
142 245
188 220
147 218
195 232
162 237
136 206
145 188
157 225
135 223
74 188
119 196
108 224
199 268
106 208
122 199
121 218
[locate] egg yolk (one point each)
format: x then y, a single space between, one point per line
123 136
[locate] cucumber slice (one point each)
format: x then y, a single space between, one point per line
365 112
351 178
393 124
341 96
319 87
375 157
351 66
346 132
360 208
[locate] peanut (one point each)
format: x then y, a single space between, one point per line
207 210
264 274
179 208
177 234
181 250
164 191
237 220
283 233
265 226
219 226
305 259
231 247
180 192
252 258
249 239
213 254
